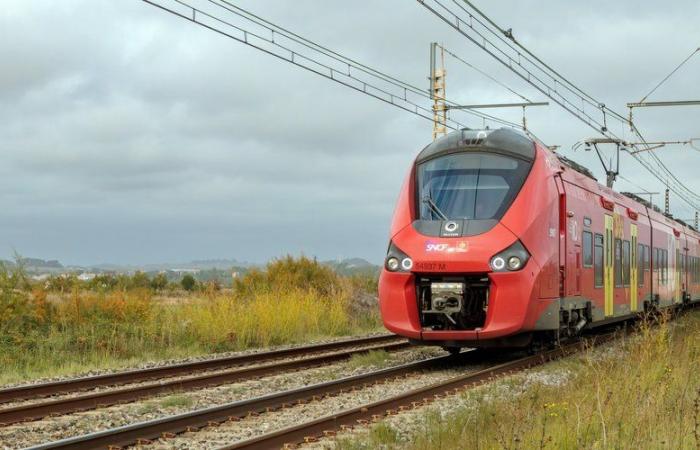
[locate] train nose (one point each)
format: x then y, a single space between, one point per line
464 254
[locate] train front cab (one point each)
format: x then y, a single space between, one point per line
478 220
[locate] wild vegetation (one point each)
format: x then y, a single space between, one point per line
642 394
50 329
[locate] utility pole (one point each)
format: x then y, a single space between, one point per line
437 93
437 90
667 202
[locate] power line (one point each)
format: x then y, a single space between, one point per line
306 54
501 44
486 74
670 74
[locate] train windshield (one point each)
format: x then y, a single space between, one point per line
469 185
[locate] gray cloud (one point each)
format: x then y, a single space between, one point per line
131 136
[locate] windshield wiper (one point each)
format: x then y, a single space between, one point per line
427 199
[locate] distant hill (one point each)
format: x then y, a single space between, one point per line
349 266
353 266
34 265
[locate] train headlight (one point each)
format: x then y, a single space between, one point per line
511 259
396 260
392 264
514 263
498 263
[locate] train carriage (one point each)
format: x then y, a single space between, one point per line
497 241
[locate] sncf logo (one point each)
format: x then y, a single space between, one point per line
430 247
459 247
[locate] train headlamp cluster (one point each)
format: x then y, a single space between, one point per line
511 259
397 261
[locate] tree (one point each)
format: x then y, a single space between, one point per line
159 282
140 280
188 283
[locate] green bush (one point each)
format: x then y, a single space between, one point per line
290 274
188 283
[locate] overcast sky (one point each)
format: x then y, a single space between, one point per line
128 135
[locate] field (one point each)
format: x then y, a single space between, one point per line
49 330
644 393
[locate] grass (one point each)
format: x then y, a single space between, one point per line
643 393
83 329
174 401
372 358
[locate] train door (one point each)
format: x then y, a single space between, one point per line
609 282
678 267
573 260
633 270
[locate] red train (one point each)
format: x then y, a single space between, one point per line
497 241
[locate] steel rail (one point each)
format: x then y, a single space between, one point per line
170 426
326 426
132 376
104 399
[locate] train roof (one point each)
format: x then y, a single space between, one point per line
503 140
511 142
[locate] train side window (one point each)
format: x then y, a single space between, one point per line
640 264
587 249
625 263
664 267
647 255
656 259
598 261
618 263
691 269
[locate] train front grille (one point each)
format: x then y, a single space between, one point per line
452 302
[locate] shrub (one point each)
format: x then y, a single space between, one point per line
159 282
290 274
91 326
188 283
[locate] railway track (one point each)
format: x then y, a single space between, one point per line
312 430
143 432
34 411
40 390
168 427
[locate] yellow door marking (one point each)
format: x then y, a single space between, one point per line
678 271
609 280
633 271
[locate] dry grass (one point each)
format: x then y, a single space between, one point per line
83 329
644 393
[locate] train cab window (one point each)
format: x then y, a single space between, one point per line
618 263
469 185
598 261
587 249
625 263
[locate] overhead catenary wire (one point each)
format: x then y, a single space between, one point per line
501 44
306 54
697 50
351 62
492 42
646 191
484 73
